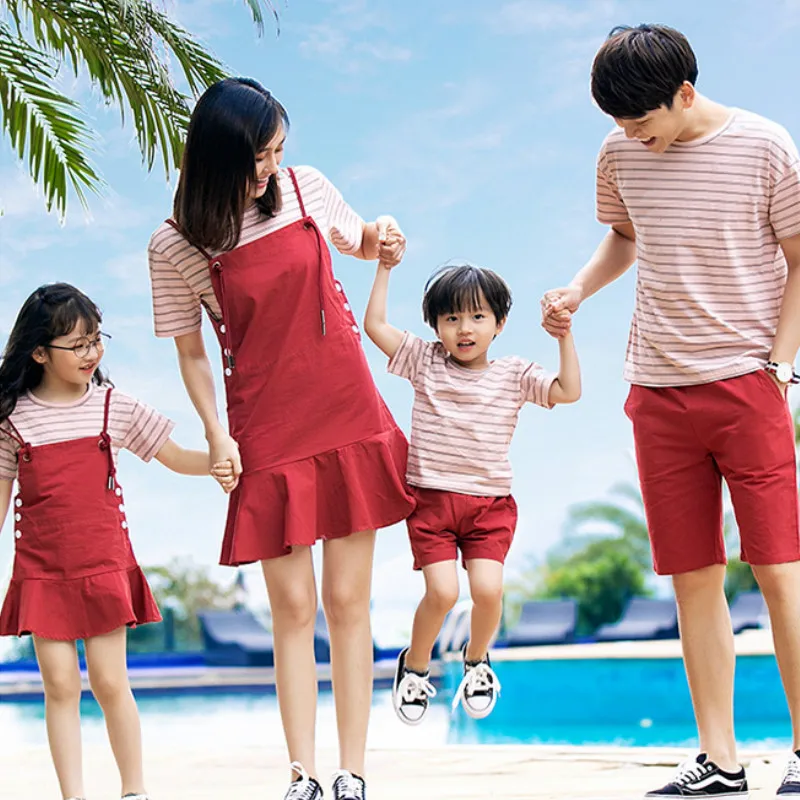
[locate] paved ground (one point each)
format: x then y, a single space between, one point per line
215 772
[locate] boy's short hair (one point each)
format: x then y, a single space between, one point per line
637 70
457 287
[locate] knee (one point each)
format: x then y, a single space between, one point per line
709 581
442 597
295 609
487 596
779 583
63 687
345 605
108 689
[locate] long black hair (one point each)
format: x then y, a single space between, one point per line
233 120
51 311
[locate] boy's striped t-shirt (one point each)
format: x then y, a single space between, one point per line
463 419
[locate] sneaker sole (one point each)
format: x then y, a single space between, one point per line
726 796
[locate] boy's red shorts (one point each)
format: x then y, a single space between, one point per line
445 522
687 439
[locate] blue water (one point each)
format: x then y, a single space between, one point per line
632 702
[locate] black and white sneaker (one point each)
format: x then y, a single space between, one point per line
411 692
348 786
305 787
790 785
479 688
700 777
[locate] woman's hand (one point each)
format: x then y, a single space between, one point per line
222 449
222 473
391 241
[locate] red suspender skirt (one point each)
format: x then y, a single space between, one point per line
322 456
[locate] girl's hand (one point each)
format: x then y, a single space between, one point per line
222 472
391 242
222 448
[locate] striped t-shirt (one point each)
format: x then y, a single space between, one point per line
132 425
708 216
179 274
463 419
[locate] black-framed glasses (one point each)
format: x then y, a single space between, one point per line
82 349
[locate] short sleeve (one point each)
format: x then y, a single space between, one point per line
408 360
177 309
784 202
147 431
535 384
609 205
8 458
338 214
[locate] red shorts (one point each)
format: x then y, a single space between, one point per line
445 522
687 440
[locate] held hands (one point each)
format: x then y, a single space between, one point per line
391 242
222 473
558 306
225 461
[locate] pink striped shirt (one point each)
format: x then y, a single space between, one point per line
179 274
463 419
132 425
708 215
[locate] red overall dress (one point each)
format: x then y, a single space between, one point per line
74 575
322 456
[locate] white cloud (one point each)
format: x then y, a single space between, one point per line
527 16
129 273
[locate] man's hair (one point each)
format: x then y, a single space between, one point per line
640 69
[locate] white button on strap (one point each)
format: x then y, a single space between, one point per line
124 525
122 507
18 534
355 328
338 287
118 492
228 371
18 517
347 306
18 503
222 329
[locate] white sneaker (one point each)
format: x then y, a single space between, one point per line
348 786
479 688
411 692
790 785
305 787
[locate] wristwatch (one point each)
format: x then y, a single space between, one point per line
783 371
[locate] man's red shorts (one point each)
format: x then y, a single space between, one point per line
687 439
445 522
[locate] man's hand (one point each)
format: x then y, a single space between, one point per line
558 306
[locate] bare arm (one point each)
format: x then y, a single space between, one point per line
385 336
199 382
566 388
5 498
787 335
381 239
181 460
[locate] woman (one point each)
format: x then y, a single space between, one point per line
316 451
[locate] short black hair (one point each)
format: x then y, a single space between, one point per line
458 287
638 70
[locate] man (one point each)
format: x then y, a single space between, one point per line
707 200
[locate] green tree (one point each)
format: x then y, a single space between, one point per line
128 50
181 588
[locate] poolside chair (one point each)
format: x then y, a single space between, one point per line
644 619
748 610
235 639
544 622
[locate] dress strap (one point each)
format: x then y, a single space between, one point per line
177 227
297 192
105 442
13 433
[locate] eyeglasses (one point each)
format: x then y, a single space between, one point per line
83 348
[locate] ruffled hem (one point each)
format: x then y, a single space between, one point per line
354 488
78 608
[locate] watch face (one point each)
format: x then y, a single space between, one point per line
784 372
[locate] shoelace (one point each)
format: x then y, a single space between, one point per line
302 789
690 771
347 786
415 687
480 678
792 773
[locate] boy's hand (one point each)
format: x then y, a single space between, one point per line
223 474
558 306
391 242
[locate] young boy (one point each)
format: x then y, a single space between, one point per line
707 199
464 415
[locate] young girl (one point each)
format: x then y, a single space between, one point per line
465 412
317 451
75 575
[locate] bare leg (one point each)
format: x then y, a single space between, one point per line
108 677
780 585
346 587
486 588
708 655
293 600
58 663
441 594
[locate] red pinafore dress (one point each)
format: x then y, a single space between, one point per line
322 456
74 575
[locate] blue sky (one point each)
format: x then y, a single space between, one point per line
472 123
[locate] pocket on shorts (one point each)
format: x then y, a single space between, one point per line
773 387
629 402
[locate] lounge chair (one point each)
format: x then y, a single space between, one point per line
235 639
544 622
644 619
748 610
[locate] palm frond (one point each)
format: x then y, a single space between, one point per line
42 124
